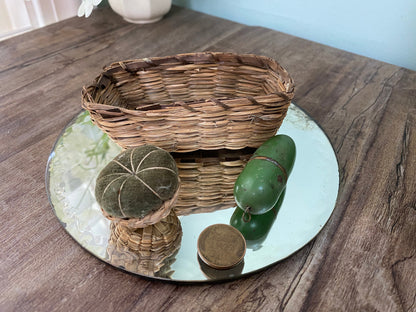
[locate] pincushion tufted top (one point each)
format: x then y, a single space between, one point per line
137 182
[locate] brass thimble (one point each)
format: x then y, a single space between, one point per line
221 246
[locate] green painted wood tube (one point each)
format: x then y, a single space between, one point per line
255 227
258 187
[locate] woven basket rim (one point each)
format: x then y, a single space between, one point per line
191 101
131 65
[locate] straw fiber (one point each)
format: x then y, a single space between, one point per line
207 179
187 102
145 250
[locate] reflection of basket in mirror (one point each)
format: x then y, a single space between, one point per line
207 179
147 251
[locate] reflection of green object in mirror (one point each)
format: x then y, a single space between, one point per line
256 244
263 179
255 227
71 193
100 148
137 182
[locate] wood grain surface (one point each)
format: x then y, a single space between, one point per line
364 258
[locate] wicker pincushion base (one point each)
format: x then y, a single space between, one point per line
207 179
149 250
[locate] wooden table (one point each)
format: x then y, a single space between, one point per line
364 258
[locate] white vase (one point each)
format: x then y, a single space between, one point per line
141 11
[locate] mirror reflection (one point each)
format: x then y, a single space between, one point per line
148 251
168 248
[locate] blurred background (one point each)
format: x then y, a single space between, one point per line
381 29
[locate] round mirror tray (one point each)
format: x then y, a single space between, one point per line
82 150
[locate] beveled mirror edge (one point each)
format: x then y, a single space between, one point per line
47 183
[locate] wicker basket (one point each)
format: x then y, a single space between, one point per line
187 102
145 250
207 179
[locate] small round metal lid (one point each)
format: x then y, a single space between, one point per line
221 246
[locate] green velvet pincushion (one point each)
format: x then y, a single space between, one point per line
137 182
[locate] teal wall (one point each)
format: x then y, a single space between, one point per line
381 29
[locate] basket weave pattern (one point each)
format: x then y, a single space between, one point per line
207 179
187 102
145 250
